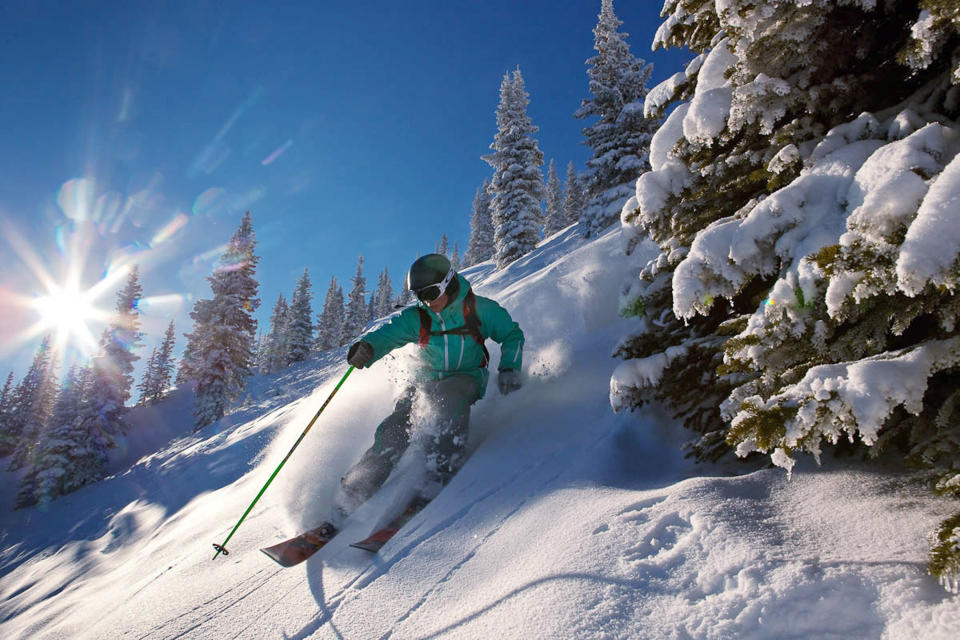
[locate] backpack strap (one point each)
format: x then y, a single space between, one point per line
471 322
471 326
425 322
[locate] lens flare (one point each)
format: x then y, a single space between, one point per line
276 154
76 199
175 300
179 221
206 202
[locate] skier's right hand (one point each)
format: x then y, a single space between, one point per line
360 354
508 381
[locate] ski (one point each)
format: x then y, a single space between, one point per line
375 541
298 548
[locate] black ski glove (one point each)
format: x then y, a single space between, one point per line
360 354
508 381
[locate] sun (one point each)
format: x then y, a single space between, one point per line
66 311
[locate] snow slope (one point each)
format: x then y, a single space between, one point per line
568 521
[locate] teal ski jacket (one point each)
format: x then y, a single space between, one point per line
452 354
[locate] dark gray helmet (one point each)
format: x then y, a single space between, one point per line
429 276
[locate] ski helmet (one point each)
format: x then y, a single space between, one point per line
429 276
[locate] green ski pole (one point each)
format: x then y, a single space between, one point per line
222 548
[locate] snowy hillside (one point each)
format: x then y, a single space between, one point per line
568 521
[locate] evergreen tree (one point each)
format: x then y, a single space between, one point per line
405 298
804 294
383 296
555 218
517 185
275 349
112 372
357 311
162 375
31 405
480 247
300 321
6 408
185 373
258 349
125 335
575 199
147 384
620 139
455 257
66 457
443 248
224 329
330 321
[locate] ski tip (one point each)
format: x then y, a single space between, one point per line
375 542
279 558
368 545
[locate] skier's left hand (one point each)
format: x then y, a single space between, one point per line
360 354
508 381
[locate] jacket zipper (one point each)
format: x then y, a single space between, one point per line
446 345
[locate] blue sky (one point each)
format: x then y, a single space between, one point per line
140 132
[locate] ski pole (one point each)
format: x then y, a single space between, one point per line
222 548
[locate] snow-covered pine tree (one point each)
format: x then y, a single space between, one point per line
331 319
383 305
6 406
300 321
163 366
6 393
455 257
443 247
801 196
112 371
554 218
620 138
113 367
185 373
405 298
224 328
356 317
41 459
517 185
146 386
31 405
480 246
275 348
124 334
66 457
575 199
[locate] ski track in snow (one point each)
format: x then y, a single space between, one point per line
209 612
566 521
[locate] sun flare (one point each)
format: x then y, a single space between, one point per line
66 311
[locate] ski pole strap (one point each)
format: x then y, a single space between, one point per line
222 548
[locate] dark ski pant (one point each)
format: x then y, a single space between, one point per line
447 405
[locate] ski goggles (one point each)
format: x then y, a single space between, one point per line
431 292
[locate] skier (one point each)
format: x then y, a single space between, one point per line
450 323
